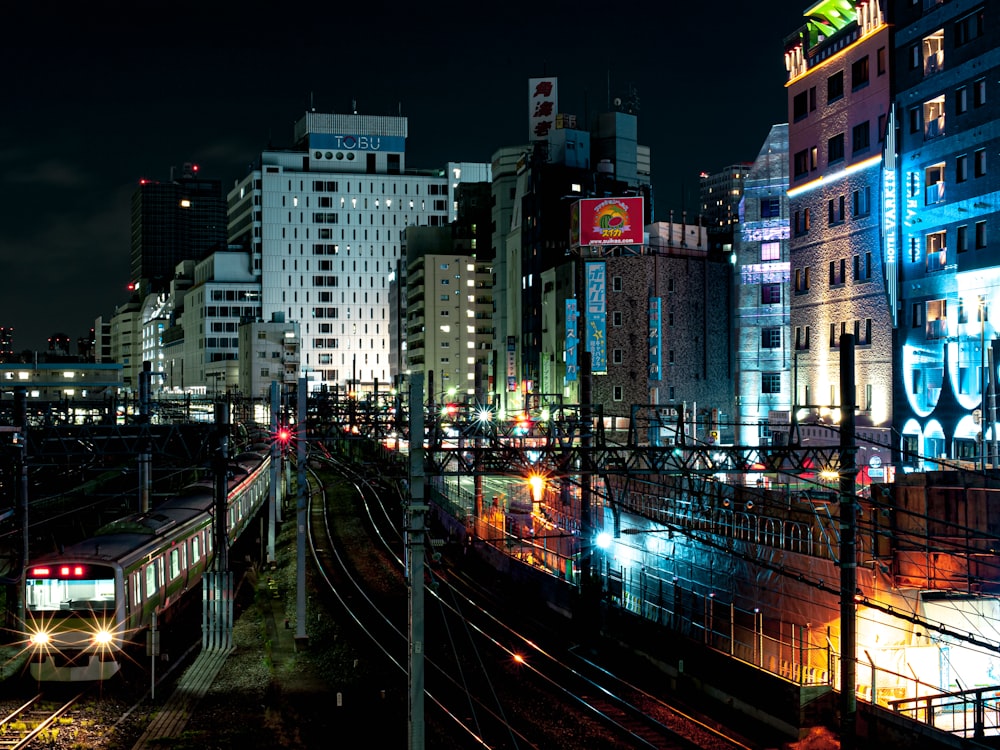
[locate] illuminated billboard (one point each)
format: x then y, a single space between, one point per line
608 221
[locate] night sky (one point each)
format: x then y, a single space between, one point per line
95 100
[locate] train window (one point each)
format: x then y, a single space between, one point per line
175 563
195 549
136 589
151 579
69 588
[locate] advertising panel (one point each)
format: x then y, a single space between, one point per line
597 316
572 339
608 221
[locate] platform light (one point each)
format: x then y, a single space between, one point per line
603 540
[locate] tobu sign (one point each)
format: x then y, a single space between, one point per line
609 221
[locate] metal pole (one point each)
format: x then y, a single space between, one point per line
848 548
221 486
415 545
146 456
272 493
300 507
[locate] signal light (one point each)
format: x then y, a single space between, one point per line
283 436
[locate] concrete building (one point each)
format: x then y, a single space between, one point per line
764 350
943 229
322 223
839 109
183 218
448 312
268 351
719 194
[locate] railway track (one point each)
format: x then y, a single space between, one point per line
494 679
35 723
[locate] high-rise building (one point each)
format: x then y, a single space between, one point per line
322 223
839 109
6 344
764 352
183 218
720 194
942 230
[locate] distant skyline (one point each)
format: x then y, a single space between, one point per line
96 101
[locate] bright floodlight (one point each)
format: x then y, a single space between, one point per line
103 637
40 638
603 540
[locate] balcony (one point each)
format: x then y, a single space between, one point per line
934 193
937 329
936 260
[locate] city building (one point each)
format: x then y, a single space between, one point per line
942 230
839 111
183 218
449 306
268 352
322 224
720 194
764 350
6 344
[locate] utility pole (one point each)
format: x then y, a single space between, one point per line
301 639
848 548
415 545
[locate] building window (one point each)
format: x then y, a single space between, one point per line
961 100
801 280
914 57
979 92
616 393
980 162
980 235
861 137
616 356
836 210
861 202
770 207
833 335
862 267
934 180
859 73
835 148
616 318
770 251
933 50
801 163
970 27
934 117
838 269
962 238
880 58
801 337
835 87
802 222
770 337
914 119
616 283
800 106
770 382
961 168
770 294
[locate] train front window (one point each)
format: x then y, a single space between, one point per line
69 588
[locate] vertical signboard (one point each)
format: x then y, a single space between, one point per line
655 332
597 316
543 106
572 339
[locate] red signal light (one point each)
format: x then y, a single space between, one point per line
283 436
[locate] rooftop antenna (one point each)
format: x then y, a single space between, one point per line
354 106
312 105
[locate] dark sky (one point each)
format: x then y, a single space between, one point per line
94 100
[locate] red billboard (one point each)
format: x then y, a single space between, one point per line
608 221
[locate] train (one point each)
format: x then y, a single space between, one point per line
88 602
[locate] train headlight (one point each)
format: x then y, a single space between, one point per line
103 637
41 638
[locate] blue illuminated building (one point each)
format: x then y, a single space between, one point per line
946 62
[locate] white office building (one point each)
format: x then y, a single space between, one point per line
323 223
